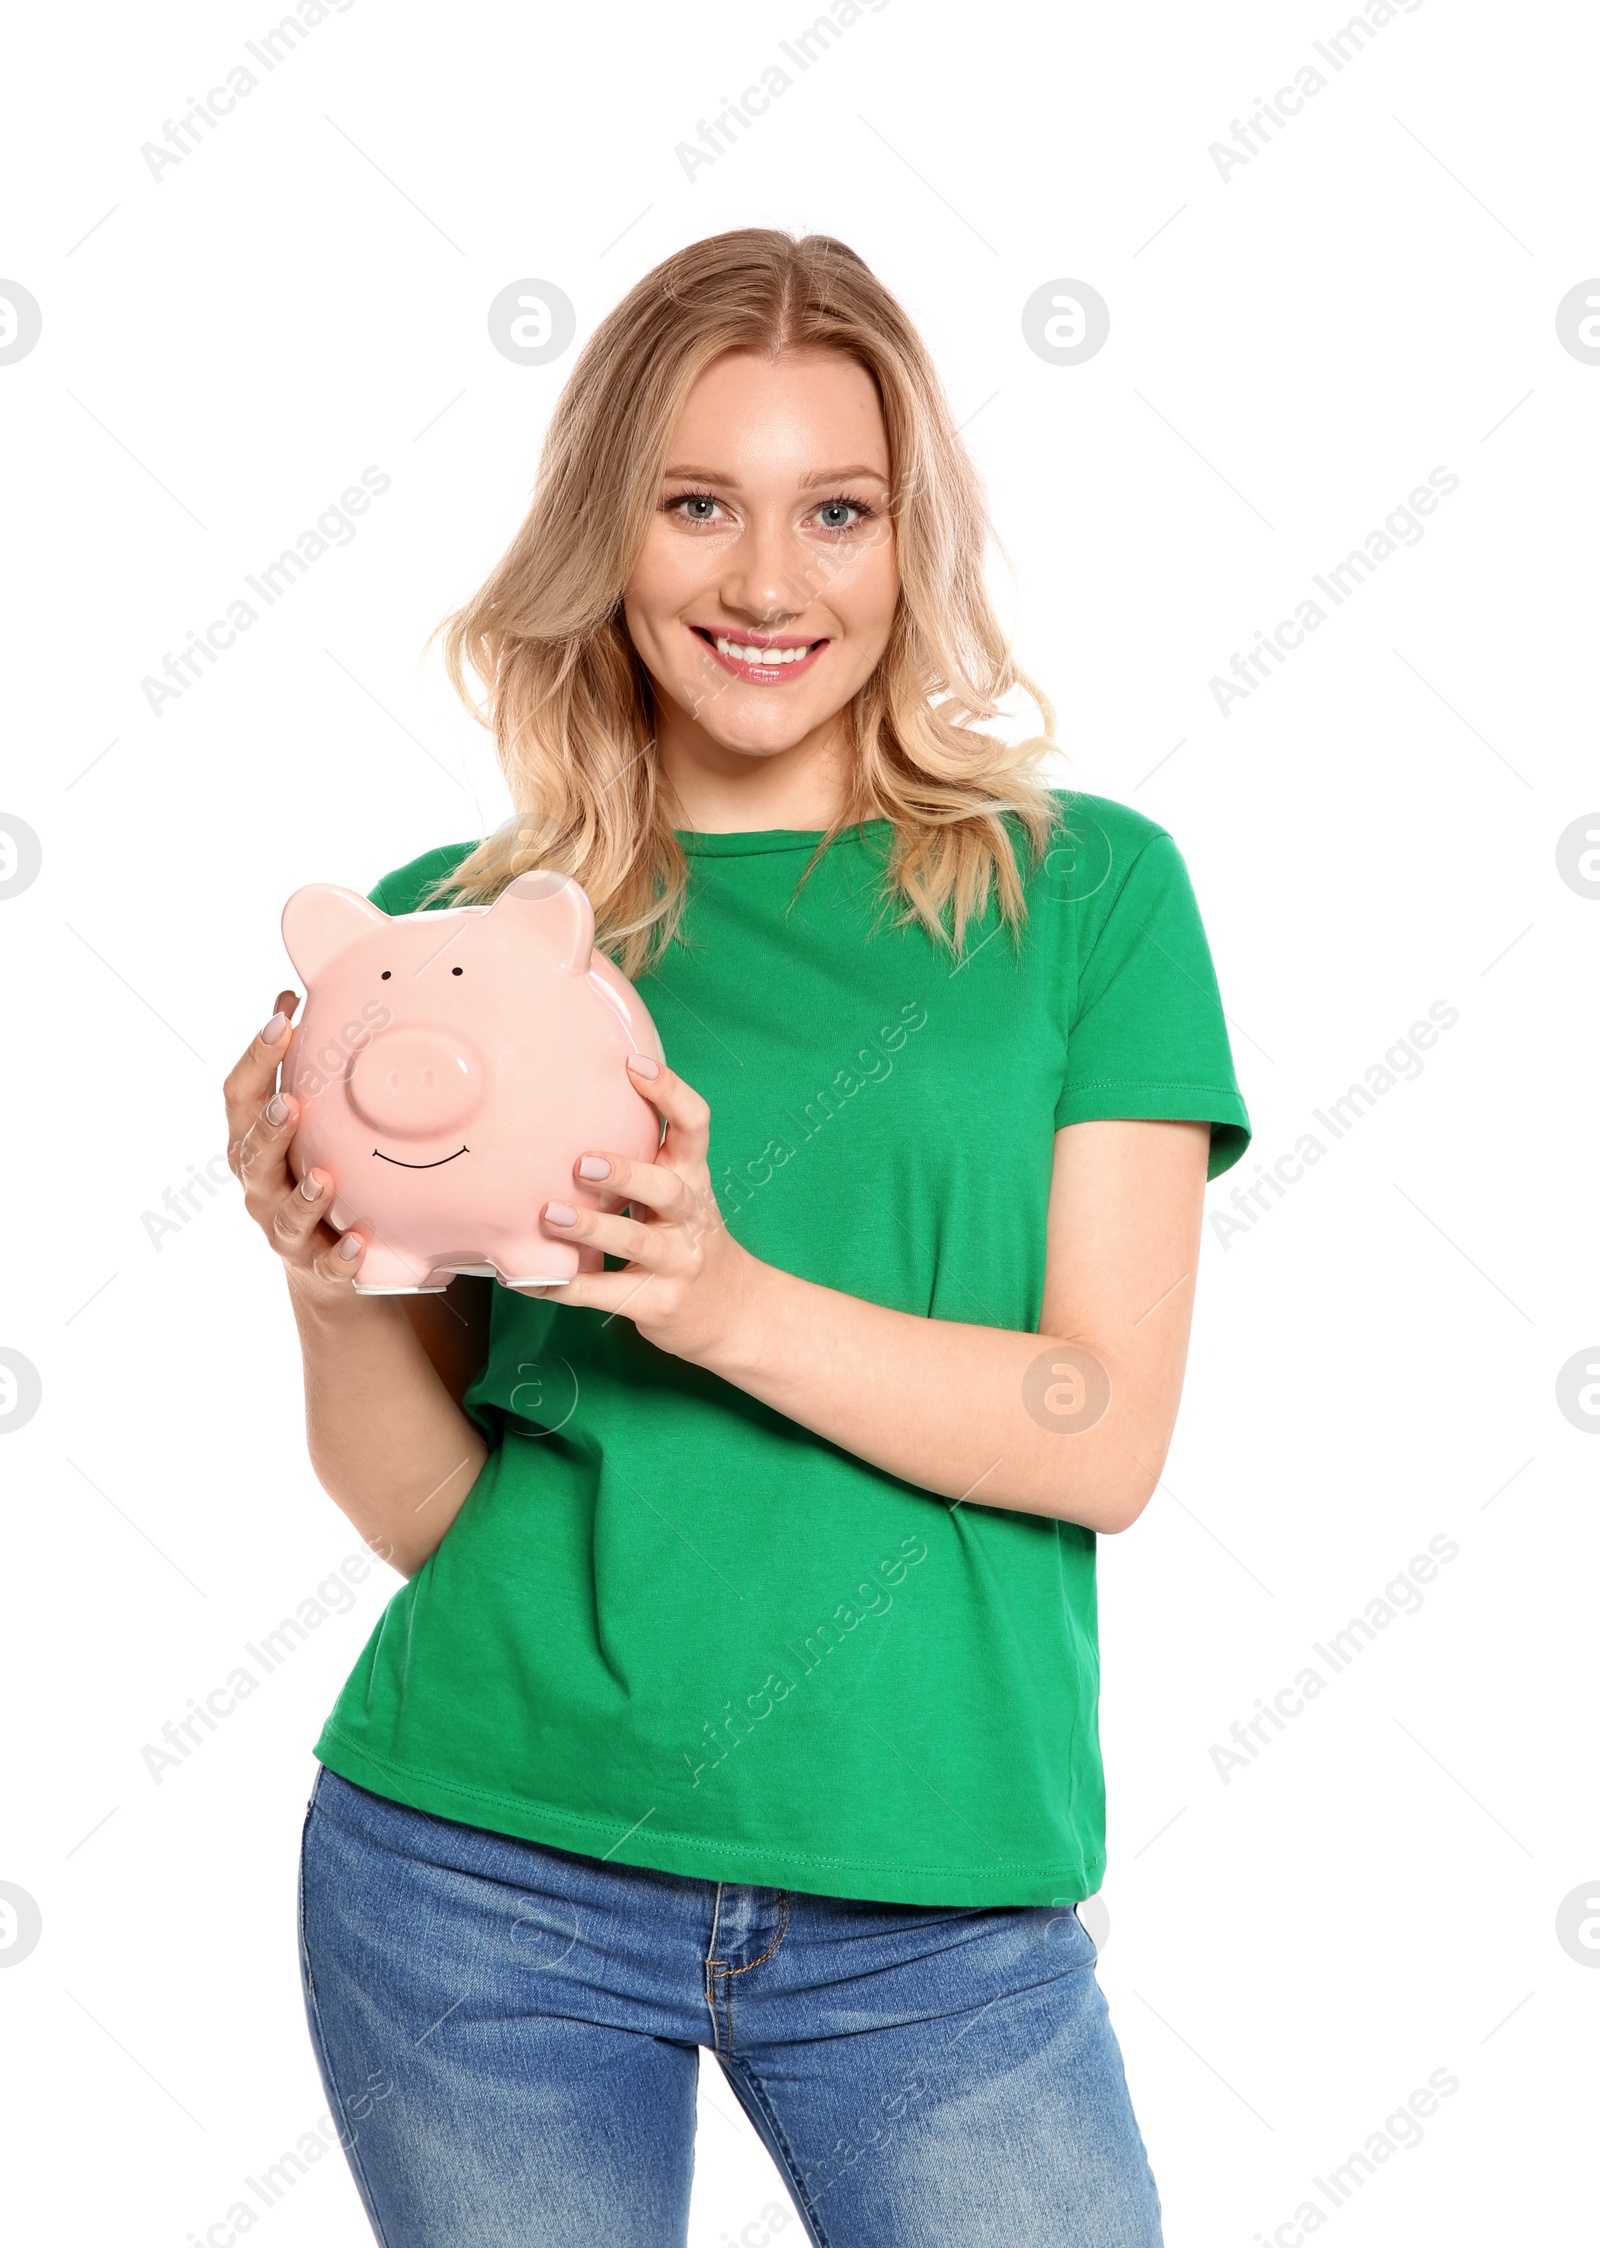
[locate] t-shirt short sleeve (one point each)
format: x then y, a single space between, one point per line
1146 1035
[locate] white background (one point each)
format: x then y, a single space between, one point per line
1292 349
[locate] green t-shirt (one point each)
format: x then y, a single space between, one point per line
669 1626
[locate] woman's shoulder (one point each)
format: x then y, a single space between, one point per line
1099 851
402 890
1127 831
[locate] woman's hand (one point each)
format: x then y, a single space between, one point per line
261 1123
687 1282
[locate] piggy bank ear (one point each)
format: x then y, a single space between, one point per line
321 921
562 912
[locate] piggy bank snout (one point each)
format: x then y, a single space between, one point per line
414 1084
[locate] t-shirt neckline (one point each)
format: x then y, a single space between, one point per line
745 843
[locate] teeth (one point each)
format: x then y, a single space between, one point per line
768 657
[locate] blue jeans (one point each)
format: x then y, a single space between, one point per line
508 2035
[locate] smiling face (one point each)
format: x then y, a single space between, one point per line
767 586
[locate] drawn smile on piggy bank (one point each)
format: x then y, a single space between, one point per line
417 1083
502 1021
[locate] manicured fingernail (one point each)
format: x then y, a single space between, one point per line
277 1110
561 1213
273 1031
311 1186
643 1066
349 1247
594 1167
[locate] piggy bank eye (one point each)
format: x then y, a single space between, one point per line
457 971
386 975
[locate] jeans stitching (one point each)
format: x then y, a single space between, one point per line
722 2025
714 1968
783 1923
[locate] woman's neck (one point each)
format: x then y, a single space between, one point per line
721 791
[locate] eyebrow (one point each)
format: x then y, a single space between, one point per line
809 483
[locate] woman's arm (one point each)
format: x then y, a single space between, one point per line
1074 1421
453 1330
982 1413
384 1375
387 1440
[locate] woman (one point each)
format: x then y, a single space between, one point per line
742 1693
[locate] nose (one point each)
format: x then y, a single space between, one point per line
415 1084
765 577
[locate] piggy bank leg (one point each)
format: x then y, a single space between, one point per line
532 1262
388 1271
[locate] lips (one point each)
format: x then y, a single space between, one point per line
404 1166
783 664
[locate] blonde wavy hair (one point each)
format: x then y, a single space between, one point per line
571 705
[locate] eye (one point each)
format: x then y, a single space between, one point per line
695 507
386 975
457 971
841 515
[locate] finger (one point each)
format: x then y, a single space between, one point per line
608 1230
620 1293
688 1117
653 1184
298 1217
263 1150
339 1263
249 1083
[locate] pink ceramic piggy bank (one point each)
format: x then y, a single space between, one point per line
450 1069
